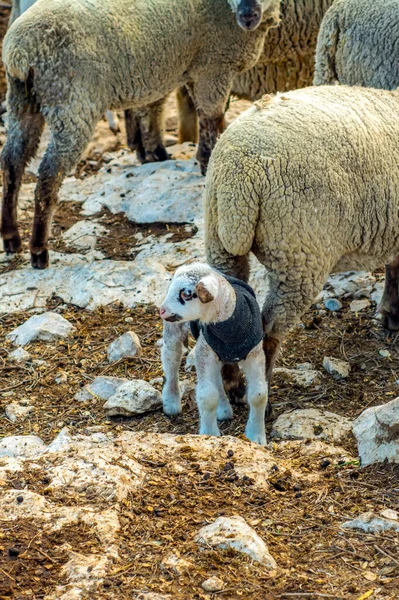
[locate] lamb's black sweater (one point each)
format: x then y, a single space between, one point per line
232 340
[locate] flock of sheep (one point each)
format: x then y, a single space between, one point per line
306 180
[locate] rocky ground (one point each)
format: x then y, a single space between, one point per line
104 496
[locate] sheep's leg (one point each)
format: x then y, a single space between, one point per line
25 126
113 121
224 410
210 97
188 120
144 132
254 369
209 384
67 143
174 339
389 305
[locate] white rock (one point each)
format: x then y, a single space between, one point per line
126 346
83 234
187 389
213 584
47 327
19 355
377 433
376 295
235 533
17 412
384 353
173 562
339 369
133 398
358 305
22 446
102 387
388 513
304 378
310 423
348 283
190 361
371 523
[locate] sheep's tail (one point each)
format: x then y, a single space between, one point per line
326 49
15 56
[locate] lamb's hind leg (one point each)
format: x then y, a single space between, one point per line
25 125
68 141
389 305
144 128
174 339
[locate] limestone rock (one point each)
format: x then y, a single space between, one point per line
339 369
174 563
358 305
19 355
304 378
22 446
372 523
235 533
310 423
213 584
17 411
48 326
133 398
126 346
102 387
83 234
377 433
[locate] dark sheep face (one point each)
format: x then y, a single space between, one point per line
249 14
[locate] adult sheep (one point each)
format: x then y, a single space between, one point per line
307 181
357 44
286 63
67 62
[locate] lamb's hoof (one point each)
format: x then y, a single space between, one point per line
256 438
203 156
13 245
391 321
224 413
171 407
41 260
158 155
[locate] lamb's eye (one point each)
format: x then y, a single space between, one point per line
186 294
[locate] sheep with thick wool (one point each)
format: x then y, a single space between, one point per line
67 63
286 63
357 44
307 181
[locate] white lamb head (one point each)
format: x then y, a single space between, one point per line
190 293
250 13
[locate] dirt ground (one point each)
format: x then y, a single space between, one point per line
315 560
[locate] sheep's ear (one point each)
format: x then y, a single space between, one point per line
206 289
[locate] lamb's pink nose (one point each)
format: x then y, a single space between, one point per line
162 311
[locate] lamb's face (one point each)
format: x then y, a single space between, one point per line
190 292
249 13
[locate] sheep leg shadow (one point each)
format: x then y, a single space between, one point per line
25 126
188 120
389 305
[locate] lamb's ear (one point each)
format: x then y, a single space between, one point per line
206 289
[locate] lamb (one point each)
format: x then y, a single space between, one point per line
308 182
225 318
67 63
286 63
357 44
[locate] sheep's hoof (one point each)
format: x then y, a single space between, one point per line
158 155
391 321
13 245
41 260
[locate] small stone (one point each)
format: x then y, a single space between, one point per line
47 327
17 411
19 355
388 513
133 398
213 584
372 523
235 533
384 353
376 432
311 423
190 361
126 346
304 378
62 377
173 562
129 320
339 369
332 304
102 387
22 446
358 305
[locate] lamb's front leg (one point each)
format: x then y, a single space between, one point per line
174 339
209 384
254 368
